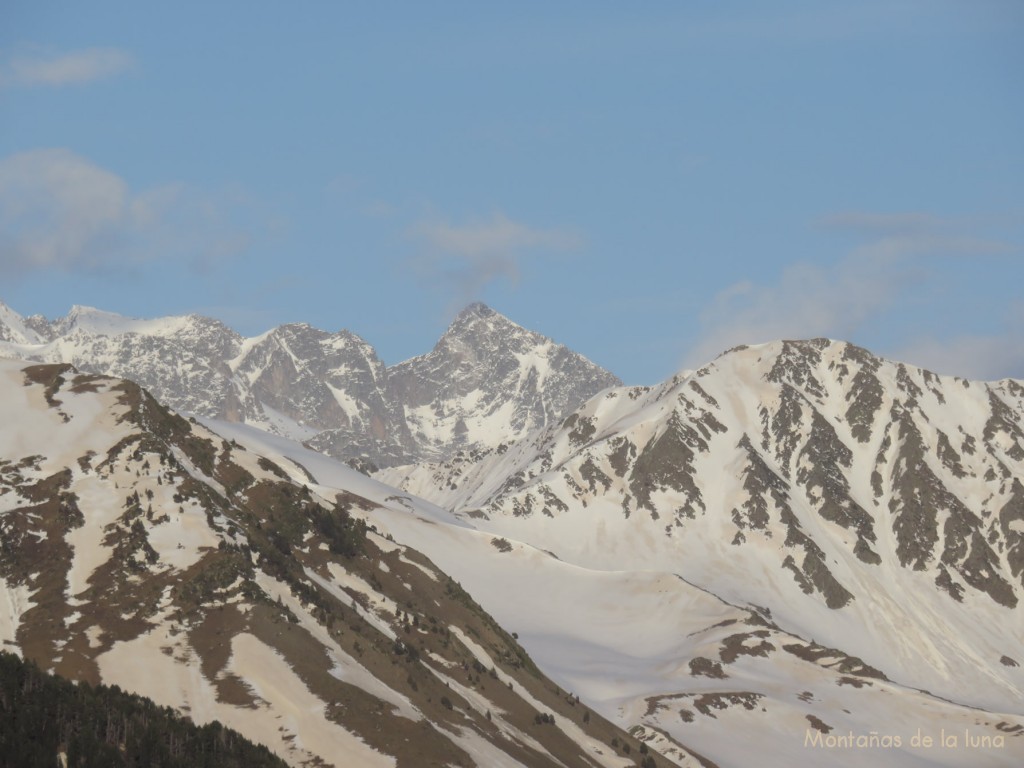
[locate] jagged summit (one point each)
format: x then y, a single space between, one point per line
16 329
477 309
479 321
488 380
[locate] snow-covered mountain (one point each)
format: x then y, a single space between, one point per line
143 550
488 380
865 506
801 543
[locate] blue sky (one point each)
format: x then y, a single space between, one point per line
649 184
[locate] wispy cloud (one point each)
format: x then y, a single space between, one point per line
985 356
72 68
871 222
470 256
838 300
59 211
911 234
807 300
971 356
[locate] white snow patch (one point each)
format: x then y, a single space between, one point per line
94 635
385 544
101 505
430 574
341 579
181 542
14 603
197 473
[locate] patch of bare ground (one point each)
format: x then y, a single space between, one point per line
818 724
706 702
844 680
34 553
702 667
738 645
51 376
211 640
831 658
88 382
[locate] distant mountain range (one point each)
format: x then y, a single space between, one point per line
486 381
800 543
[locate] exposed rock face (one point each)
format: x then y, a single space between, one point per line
488 380
331 385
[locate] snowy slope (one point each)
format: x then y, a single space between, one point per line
673 660
142 550
14 329
872 507
799 542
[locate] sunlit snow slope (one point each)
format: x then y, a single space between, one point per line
141 549
856 504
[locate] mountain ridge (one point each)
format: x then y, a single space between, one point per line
145 551
798 539
327 388
843 494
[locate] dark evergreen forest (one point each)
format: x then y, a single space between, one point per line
42 715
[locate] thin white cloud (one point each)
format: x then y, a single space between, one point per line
871 223
59 211
55 70
806 301
471 256
811 300
909 234
989 356
500 235
970 356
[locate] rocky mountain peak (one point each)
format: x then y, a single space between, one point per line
489 379
89 319
479 326
477 309
16 329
